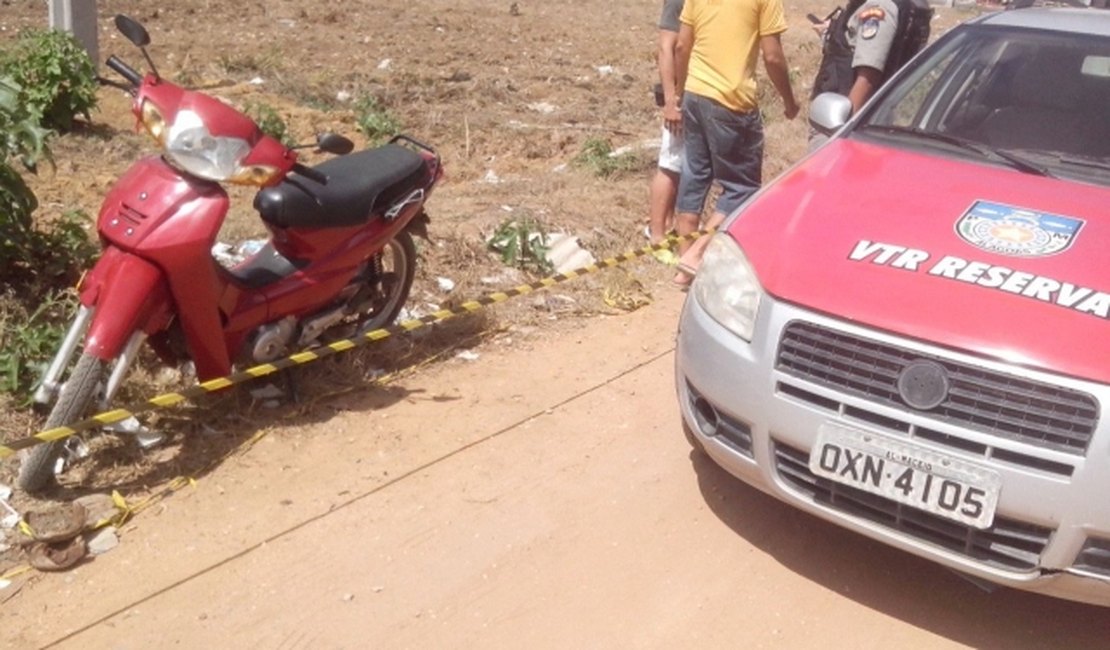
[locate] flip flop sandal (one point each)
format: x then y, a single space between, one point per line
58 556
685 276
56 525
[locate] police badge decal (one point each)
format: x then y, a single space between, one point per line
1015 231
869 22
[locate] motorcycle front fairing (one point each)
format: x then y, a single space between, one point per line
160 221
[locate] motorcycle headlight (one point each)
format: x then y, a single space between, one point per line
727 288
153 122
191 147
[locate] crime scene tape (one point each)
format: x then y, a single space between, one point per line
167 400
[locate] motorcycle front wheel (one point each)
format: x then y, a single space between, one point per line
36 469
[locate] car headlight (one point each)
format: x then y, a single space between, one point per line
191 147
727 288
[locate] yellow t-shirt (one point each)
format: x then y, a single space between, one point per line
726 47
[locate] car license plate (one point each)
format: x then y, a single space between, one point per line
907 473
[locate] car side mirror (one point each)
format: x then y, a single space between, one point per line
829 111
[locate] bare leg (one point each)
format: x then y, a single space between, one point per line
663 189
691 255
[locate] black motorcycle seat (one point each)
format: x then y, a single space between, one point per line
359 186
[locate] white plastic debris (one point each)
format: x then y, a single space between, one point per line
565 252
343 96
385 64
11 517
541 107
605 70
467 355
491 177
257 81
446 285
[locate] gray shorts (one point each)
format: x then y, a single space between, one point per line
723 146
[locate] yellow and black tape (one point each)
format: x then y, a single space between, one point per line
167 400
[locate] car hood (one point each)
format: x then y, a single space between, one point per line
984 259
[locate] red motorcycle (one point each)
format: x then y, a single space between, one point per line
339 261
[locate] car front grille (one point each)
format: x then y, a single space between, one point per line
1006 406
1007 544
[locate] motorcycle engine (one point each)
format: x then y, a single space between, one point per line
271 341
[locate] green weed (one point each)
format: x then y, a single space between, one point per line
27 341
374 120
270 121
598 158
55 77
522 243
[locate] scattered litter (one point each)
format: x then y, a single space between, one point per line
508 276
385 64
604 70
146 437
257 81
506 208
4 584
343 96
541 107
103 541
565 252
374 374
560 168
269 395
228 255
11 516
491 177
446 285
467 355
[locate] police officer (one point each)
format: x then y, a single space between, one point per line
866 43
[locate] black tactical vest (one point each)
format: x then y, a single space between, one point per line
835 72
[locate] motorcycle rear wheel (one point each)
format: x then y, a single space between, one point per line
398 268
36 469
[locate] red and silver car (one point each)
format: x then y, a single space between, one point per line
908 332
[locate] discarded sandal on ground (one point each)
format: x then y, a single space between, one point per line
58 556
56 524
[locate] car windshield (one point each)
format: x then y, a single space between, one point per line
1033 100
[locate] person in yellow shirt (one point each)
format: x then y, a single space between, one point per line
719 43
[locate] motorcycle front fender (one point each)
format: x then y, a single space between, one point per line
126 294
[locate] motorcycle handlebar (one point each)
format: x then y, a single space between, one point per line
310 173
125 71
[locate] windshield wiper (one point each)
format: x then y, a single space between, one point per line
1014 160
1083 161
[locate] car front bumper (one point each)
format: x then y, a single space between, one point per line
759 421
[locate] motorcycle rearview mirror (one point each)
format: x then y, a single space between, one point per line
137 34
334 143
330 143
133 30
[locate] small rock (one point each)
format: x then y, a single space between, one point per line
103 541
98 508
348 597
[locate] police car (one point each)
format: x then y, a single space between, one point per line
908 332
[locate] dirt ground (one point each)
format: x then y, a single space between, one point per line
509 93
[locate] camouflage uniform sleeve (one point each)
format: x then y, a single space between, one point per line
873 26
